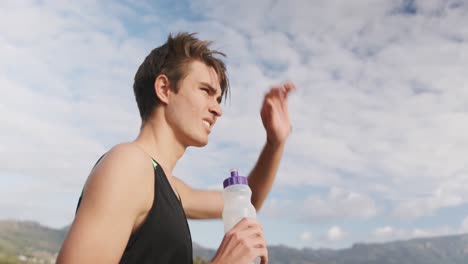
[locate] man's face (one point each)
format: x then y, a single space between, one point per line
193 110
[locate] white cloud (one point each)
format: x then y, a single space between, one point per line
280 208
419 207
464 225
339 204
57 73
375 88
439 231
388 233
421 233
335 233
231 11
384 232
381 106
305 236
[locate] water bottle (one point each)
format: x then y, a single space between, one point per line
237 201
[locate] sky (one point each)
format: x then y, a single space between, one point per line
379 145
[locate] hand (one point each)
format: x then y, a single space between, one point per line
275 115
242 244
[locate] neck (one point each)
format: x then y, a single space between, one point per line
158 140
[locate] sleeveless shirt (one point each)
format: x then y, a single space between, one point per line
164 236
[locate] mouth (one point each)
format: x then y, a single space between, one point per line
207 124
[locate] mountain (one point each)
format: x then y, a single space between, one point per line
27 241
436 250
30 242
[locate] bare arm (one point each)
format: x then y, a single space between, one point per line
263 175
112 201
275 118
208 204
201 204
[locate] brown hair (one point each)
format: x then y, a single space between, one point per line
172 59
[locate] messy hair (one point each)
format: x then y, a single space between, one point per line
173 59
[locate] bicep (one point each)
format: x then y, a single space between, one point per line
103 224
98 234
200 204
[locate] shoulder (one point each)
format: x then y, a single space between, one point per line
123 172
124 160
115 196
124 156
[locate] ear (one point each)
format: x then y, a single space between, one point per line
162 88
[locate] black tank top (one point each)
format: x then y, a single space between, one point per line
164 236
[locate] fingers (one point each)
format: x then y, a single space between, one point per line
278 95
253 237
254 243
287 88
281 91
249 242
243 243
250 232
244 224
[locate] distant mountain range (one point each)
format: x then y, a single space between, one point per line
30 242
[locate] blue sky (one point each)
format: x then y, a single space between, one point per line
379 146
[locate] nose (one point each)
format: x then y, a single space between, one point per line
216 109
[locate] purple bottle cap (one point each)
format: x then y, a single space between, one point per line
235 179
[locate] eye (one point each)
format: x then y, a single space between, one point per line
205 90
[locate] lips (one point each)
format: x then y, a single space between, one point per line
208 123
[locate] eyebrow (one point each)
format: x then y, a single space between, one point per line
212 90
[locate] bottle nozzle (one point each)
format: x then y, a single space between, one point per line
234 172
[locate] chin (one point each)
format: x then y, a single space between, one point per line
199 142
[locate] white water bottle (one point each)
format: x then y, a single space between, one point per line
237 201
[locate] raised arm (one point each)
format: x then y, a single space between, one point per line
202 204
275 118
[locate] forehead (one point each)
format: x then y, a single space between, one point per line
202 73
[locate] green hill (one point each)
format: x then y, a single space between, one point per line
436 250
30 242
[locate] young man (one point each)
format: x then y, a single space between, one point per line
133 210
